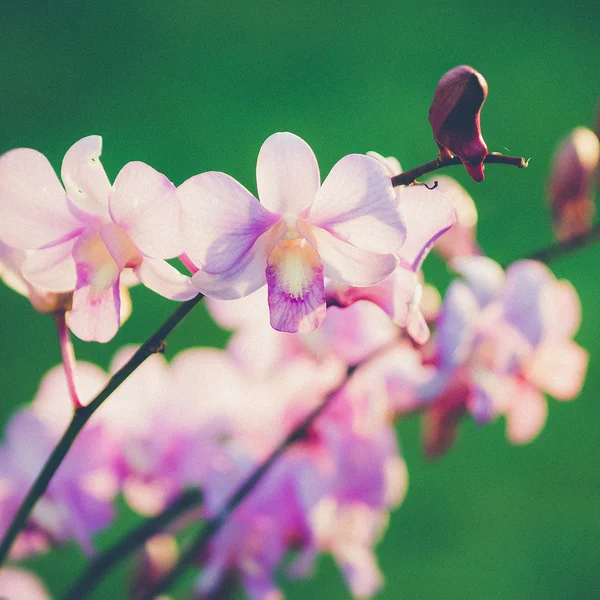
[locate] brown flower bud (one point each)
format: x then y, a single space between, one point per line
455 118
571 183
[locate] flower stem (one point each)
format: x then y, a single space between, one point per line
104 562
560 249
68 355
408 177
155 343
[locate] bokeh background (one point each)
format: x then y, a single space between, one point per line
190 86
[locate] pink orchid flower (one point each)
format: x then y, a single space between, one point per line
300 233
429 214
18 584
84 238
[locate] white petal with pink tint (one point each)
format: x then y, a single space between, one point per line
220 220
32 202
52 269
561 309
245 275
526 414
143 203
357 203
84 177
296 287
345 263
96 301
18 584
558 368
287 174
428 214
484 276
166 280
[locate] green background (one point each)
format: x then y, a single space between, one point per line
190 86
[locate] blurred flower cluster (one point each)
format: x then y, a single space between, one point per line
350 249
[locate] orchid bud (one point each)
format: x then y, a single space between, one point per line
571 183
455 118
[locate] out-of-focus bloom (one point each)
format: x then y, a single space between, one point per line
572 179
78 501
81 240
459 240
455 118
18 584
346 230
503 340
429 214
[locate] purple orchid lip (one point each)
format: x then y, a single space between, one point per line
455 118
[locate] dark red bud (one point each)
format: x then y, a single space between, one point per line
571 183
455 118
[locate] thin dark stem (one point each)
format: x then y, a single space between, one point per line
99 567
213 525
155 343
560 249
408 177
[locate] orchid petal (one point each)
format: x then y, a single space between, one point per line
483 275
143 203
559 368
455 325
34 205
296 288
52 269
527 284
358 205
526 414
345 263
84 177
220 220
166 280
287 174
96 300
245 275
429 214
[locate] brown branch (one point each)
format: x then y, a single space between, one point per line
408 177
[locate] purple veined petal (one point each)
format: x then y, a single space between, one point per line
528 284
358 205
52 269
164 279
220 220
245 275
296 288
483 275
84 177
344 263
428 214
454 335
287 174
18 584
34 206
144 204
96 300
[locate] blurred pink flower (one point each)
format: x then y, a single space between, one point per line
502 341
82 240
78 501
19 584
346 230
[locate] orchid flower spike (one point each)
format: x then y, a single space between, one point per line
84 238
347 230
455 118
